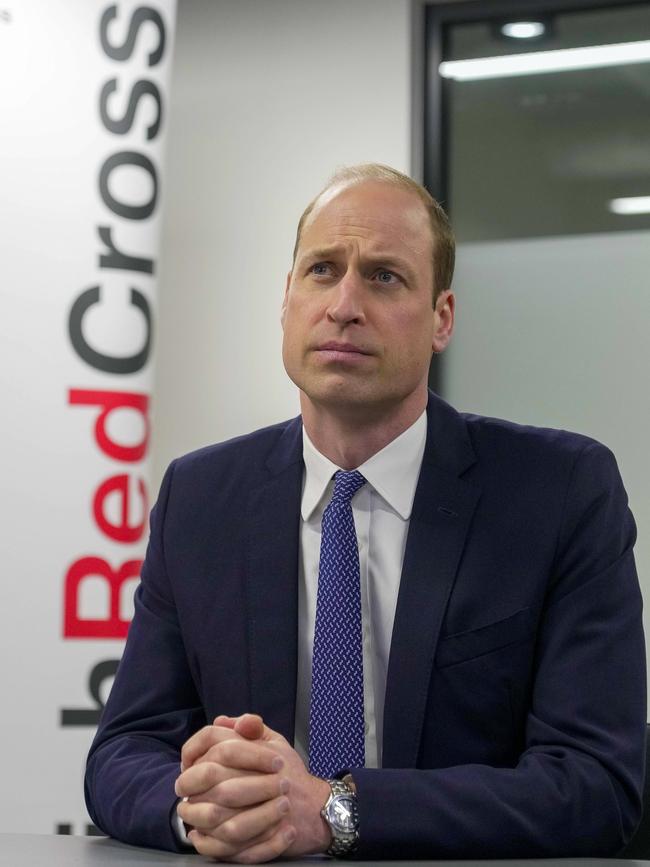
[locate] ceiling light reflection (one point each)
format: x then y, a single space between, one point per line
536 62
630 205
523 29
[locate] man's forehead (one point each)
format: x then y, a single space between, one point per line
372 210
370 198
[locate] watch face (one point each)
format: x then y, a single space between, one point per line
342 813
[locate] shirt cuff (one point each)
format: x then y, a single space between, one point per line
179 828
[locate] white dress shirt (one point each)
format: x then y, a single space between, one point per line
381 510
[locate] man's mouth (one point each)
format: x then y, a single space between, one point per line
335 348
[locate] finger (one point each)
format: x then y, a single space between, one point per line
212 844
201 779
248 790
201 741
198 745
219 765
219 803
250 726
248 826
244 755
225 721
269 846
270 849
203 815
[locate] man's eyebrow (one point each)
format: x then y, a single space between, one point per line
388 260
322 252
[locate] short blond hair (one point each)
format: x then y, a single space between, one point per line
444 245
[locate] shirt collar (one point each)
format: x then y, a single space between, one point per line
392 472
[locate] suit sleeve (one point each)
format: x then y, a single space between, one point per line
576 789
152 709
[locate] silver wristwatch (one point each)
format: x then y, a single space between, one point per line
342 815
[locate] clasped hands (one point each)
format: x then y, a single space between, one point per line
249 795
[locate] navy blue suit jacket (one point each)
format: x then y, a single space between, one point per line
515 704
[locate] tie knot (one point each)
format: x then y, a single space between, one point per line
346 484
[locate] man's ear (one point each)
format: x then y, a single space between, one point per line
283 309
443 328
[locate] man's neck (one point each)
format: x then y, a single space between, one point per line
350 436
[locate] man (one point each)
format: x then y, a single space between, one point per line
382 629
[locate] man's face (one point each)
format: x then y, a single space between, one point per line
359 325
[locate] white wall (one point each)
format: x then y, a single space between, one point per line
268 98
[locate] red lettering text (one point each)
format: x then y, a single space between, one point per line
124 531
112 626
109 401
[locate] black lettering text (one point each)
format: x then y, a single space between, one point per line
120 126
125 50
90 716
98 360
128 158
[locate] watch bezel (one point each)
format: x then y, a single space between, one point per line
333 820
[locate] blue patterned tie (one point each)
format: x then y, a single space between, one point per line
336 724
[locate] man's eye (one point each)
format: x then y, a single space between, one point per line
386 276
320 269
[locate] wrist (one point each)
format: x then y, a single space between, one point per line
341 813
322 833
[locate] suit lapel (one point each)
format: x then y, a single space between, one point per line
440 520
272 584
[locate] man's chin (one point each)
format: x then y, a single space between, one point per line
334 390
350 400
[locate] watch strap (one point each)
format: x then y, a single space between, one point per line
342 845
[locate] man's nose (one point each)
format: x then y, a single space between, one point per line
346 301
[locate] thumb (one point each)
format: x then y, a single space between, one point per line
227 722
251 726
